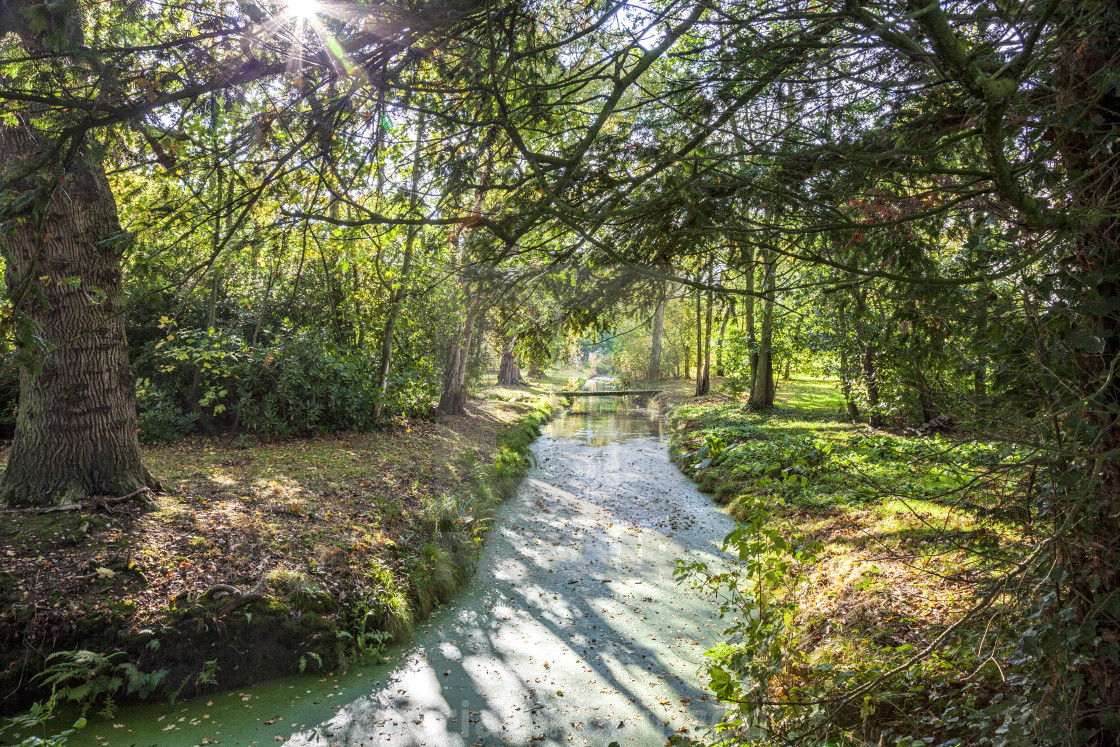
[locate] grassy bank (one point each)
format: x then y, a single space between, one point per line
859 550
262 558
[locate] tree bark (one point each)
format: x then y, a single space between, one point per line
653 373
76 429
699 347
509 373
748 315
762 386
845 378
703 378
846 386
871 383
925 396
727 312
453 398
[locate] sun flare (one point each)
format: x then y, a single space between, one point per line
302 8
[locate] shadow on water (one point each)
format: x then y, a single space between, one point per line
572 631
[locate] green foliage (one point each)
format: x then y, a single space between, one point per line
930 503
90 679
745 666
302 383
158 418
39 714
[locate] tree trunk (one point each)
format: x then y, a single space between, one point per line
762 386
700 389
703 378
453 398
653 373
509 374
846 384
727 312
687 358
871 382
748 315
925 396
845 377
76 429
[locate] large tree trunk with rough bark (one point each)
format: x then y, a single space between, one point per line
76 428
509 373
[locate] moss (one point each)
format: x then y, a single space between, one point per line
708 481
726 492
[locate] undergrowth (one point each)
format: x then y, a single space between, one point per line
859 557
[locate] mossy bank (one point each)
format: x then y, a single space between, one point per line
262 559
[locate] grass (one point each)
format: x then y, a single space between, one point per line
899 536
358 535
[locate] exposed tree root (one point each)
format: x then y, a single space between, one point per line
237 599
96 503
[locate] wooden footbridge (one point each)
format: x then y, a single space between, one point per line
611 393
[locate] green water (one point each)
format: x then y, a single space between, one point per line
572 630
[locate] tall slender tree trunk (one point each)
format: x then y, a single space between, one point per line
653 373
762 388
845 372
401 288
871 383
76 427
846 387
699 346
727 312
748 315
703 378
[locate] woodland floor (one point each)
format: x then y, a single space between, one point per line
322 518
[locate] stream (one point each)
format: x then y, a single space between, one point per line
572 631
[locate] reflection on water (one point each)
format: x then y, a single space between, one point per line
597 421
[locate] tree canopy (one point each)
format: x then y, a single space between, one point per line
318 215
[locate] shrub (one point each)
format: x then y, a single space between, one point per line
158 418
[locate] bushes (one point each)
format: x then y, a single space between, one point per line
158 418
302 386
298 384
